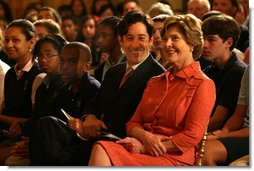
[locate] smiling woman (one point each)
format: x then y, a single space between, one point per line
183 44
165 131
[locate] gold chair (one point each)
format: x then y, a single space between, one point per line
200 151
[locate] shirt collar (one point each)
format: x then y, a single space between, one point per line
189 70
120 59
135 66
48 80
83 79
26 68
185 73
107 63
228 65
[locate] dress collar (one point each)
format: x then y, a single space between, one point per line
188 71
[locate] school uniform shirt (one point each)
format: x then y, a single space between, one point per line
227 81
18 90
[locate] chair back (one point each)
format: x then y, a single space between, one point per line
200 151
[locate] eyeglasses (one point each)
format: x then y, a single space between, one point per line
46 56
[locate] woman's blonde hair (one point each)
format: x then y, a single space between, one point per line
190 27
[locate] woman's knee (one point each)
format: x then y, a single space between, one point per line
99 156
97 148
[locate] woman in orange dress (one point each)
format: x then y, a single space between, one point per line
173 114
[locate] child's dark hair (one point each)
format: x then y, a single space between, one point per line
72 18
222 25
83 5
55 13
93 8
7 10
82 48
56 40
111 22
82 38
51 26
105 7
28 29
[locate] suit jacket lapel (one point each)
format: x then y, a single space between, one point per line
117 77
136 77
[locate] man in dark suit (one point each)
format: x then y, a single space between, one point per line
115 102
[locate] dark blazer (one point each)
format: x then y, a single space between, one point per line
99 71
116 106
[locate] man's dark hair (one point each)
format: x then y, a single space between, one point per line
134 17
